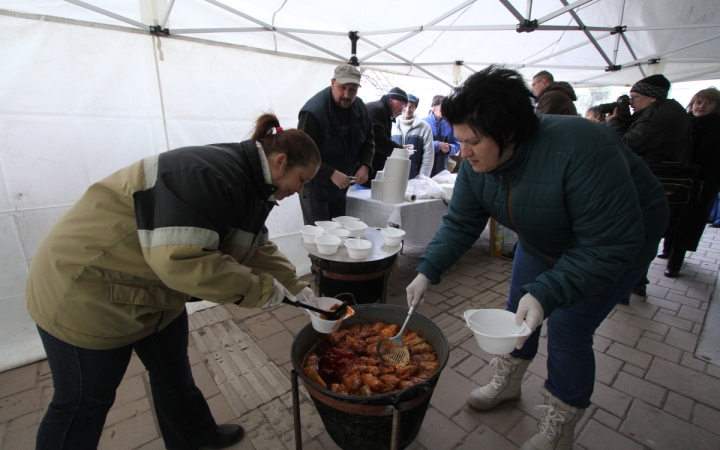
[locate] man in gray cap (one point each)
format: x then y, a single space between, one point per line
337 120
382 115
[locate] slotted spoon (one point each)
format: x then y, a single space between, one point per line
392 350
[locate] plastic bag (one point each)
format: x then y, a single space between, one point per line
425 187
445 177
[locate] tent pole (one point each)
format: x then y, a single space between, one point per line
562 11
617 37
512 10
167 14
105 12
589 36
632 52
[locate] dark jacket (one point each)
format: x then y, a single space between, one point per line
558 99
577 198
319 119
122 262
382 120
688 224
659 133
442 132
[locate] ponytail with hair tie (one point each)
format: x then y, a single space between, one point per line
274 130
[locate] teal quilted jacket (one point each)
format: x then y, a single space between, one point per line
576 196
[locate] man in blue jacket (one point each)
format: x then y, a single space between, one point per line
589 215
444 142
412 130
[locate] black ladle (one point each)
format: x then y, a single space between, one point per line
331 315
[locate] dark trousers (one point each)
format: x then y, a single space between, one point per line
85 382
314 210
571 361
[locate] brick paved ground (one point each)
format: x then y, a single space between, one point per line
651 391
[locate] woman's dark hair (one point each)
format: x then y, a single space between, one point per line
495 103
300 149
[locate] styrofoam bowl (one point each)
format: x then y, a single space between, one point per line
327 224
392 236
358 248
323 325
494 329
342 233
345 219
309 232
357 229
327 245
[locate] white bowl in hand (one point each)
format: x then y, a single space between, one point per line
495 329
358 248
327 245
357 229
309 232
392 236
323 325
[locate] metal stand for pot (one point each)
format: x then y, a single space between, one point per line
395 439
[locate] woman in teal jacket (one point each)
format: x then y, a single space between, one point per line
589 216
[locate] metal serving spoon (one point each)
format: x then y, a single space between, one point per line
392 350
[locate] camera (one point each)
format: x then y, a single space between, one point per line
608 108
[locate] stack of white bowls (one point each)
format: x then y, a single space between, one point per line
395 181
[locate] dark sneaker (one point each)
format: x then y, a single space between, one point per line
509 256
640 291
225 436
672 273
624 301
663 255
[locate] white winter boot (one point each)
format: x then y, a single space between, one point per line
505 383
556 429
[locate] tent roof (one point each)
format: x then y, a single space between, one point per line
577 41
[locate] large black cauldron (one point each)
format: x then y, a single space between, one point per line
363 423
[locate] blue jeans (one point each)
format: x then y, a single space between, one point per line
85 382
571 361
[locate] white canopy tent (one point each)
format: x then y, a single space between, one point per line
89 87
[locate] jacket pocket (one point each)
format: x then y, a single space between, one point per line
147 293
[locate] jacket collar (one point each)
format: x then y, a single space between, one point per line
263 190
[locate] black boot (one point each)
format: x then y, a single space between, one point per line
224 436
674 264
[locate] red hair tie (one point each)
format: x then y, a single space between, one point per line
274 130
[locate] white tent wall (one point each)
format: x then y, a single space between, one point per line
78 103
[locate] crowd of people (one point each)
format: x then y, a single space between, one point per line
586 199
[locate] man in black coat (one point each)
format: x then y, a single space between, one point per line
382 114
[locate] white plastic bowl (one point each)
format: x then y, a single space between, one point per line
342 233
392 236
358 248
309 232
357 229
327 224
322 325
345 219
495 329
327 245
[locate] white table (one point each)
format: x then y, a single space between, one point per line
420 219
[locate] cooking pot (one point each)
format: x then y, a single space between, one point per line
363 423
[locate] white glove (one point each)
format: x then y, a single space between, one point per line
529 310
417 289
306 295
279 294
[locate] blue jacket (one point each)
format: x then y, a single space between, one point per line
442 132
577 198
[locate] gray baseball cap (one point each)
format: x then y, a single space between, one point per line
345 74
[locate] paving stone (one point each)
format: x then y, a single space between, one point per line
691 362
277 347
599 437
611 400
531 397
539 366
620 316
673 321
696 385
18 380
640 389
683 299
606 419
203 380
471 365
713 371
485 438
678 405
634 370
693 314
659 430
659 349
501 419
438 433
129 433
465 420
21 439
451 392
706 418
158 444
619 332
630 355
456 355
701 292
265 328
682 339
638 308
296 324
606 368
600 344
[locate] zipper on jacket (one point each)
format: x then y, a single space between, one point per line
162 313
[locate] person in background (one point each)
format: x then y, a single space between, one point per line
114 273
412 130
688 223
589 215
553 97
382 114
659 133
337 121
444 143
593 113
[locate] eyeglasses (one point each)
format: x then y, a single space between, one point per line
633 98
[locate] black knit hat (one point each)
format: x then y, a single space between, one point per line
397 94
656 86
